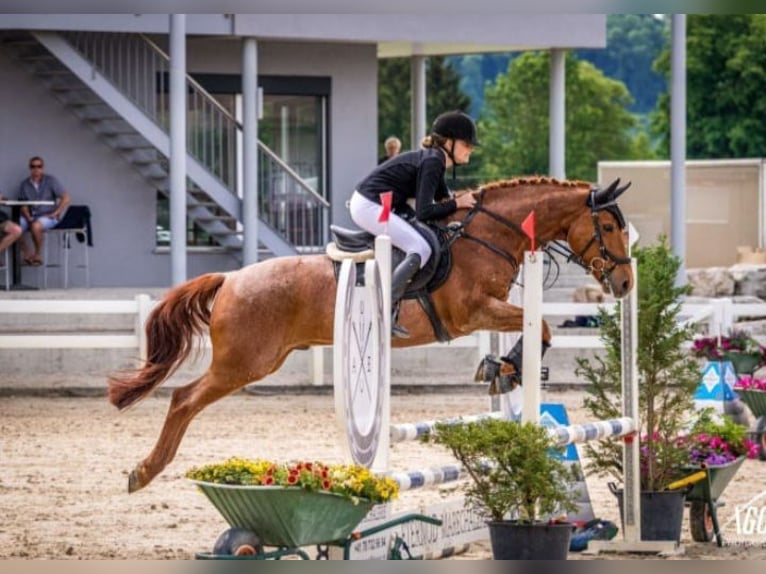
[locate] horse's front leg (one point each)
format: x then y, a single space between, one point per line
504 373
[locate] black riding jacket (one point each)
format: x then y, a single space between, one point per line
417 174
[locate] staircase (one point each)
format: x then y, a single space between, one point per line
118 85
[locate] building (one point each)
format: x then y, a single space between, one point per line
91 93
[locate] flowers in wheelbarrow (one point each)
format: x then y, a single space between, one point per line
737 342
714 441
350 481
750 383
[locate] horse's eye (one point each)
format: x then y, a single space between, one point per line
609 227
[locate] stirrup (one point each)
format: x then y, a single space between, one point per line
399 332
396 329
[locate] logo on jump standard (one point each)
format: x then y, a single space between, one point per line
747 527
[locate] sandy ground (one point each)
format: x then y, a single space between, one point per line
64 466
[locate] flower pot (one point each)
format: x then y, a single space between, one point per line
512 540
755 400
744 363
662 513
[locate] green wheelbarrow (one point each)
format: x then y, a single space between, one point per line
272 523
703 499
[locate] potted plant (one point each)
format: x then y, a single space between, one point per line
668 376
518 480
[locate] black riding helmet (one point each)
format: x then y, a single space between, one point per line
456 125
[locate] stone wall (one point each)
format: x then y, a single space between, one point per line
741 280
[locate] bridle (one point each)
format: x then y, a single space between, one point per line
598 263
458 229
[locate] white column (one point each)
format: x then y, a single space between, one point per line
557 113
678 142
418 89
178 148
250 189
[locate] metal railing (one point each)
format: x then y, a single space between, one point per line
141 71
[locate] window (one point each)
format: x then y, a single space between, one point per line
294 127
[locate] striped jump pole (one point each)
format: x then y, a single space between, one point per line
579 433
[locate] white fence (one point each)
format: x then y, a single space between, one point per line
719 315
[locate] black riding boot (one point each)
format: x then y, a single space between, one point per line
399 278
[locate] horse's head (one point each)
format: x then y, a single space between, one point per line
599 240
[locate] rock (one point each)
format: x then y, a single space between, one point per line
750 280
711 282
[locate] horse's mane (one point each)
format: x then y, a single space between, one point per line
534 180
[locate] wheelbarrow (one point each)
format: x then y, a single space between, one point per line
707 485
270 523
756 402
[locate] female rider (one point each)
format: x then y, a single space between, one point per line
418 175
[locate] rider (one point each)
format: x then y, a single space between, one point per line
418 175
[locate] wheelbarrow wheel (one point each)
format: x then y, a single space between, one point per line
701 521
238 542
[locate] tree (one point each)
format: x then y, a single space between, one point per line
443 93
514 124
634 41
667 374
725 99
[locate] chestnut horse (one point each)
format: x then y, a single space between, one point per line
258 314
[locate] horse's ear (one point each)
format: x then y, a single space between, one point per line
602 196
620 190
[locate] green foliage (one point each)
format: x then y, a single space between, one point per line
667 374
726 102
443 93
633 43
515 122
512 466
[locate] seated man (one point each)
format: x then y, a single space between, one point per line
9 231
39 218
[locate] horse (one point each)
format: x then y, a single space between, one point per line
257 315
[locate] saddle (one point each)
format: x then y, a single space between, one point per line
358 245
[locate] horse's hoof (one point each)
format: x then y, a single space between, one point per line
134 483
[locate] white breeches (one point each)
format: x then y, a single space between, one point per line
365 213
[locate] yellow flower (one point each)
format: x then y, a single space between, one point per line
351 481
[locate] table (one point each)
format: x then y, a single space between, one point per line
15 205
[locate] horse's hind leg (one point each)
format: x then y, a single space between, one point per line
186 403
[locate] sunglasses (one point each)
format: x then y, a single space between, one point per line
35 166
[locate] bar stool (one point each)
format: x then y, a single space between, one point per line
73 228
7 268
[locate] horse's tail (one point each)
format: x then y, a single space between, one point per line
170 330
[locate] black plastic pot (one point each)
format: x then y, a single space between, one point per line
517 541
662 513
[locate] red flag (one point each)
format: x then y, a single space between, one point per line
528 226
385 200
